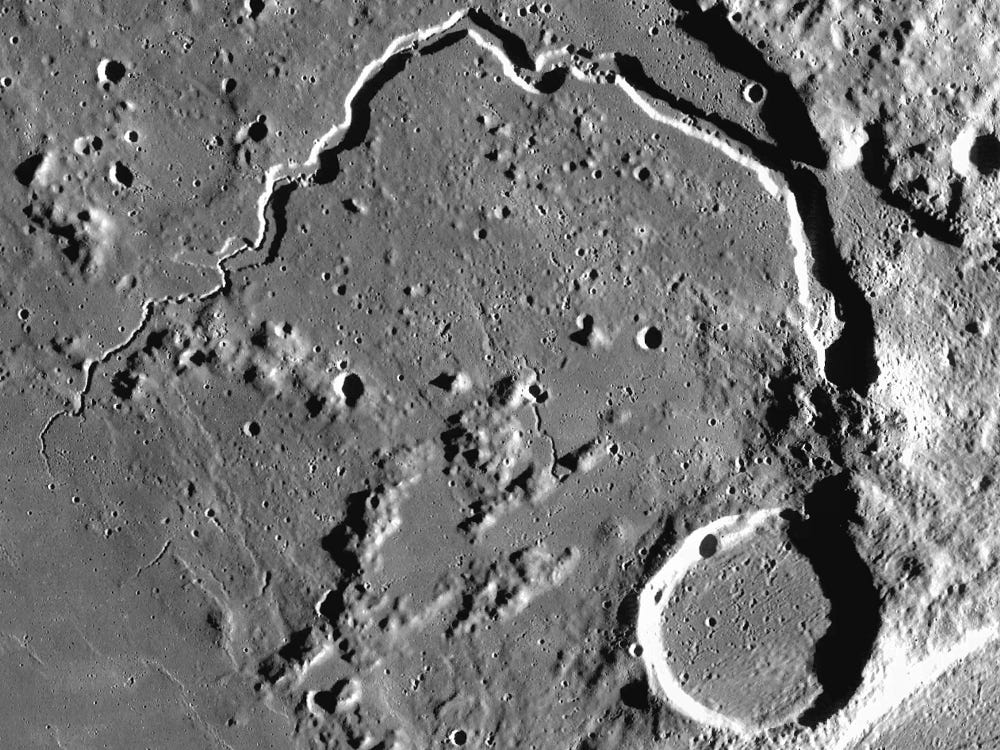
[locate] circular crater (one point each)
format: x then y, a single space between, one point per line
984 154
730 625
754 93
649 338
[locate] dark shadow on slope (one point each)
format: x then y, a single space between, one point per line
633 71
328 168
329 700
657 552
635 694
651 560
511 44
297 646
783 112
333 605
443 42
957 188
344 541
832 419
444 381
72 243
551 81
361 118
850 360
874 168
278 205
783 406
823 537
517 51
343 544
24 172
290 655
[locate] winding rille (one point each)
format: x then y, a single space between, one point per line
770 179
771 174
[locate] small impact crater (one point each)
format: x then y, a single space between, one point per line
351 388
110 73
649 338
754 93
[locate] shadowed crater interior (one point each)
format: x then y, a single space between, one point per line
985 153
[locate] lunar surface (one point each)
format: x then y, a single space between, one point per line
583 375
